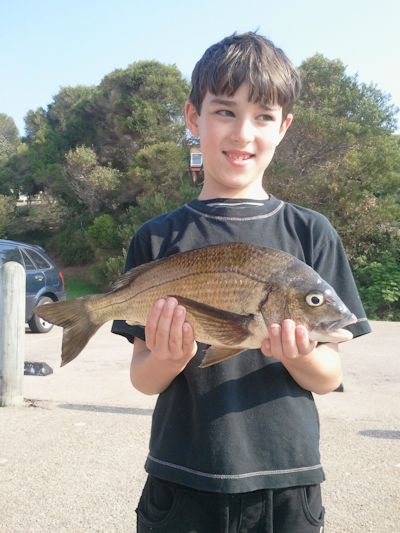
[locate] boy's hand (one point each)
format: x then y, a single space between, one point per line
317 369
287 341
168 337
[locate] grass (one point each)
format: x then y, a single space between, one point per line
76 286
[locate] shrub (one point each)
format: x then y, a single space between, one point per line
103 233
379 285
7 213
107 271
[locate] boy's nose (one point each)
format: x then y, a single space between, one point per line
243 131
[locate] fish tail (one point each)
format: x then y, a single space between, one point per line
78 326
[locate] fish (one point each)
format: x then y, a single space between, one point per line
232 292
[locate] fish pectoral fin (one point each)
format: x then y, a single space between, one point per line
133 323
216 354
231 329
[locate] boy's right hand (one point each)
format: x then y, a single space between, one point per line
169 337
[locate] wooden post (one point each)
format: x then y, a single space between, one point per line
12 333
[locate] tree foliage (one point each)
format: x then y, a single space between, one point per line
109 157
9 137
341 157
7 213
93 184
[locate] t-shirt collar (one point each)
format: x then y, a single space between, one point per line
237 207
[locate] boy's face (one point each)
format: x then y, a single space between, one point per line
238 140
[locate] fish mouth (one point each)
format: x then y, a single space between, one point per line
333 331
336 324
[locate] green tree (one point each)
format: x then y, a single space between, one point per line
7 213
9 137
119 150
38 164
71 115
342 158
159 167
379 283
136 107
94 185
131 109
340 155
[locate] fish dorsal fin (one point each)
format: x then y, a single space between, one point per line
217 354
231 329
130 275
244 259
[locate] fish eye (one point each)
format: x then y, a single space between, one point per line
315 299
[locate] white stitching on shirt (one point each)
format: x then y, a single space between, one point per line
235 476
237 204
217 217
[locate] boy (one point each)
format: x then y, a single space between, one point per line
235 447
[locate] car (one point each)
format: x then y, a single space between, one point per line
44 281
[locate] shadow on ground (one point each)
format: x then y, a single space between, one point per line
380 434
106 409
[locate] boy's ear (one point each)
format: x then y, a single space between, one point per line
285 126
191 118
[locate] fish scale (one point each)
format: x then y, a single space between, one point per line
231 293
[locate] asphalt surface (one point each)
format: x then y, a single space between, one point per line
71 458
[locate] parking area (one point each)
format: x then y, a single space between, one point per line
71 459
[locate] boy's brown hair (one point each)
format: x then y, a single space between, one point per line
246 58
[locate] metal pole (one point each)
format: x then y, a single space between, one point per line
12 333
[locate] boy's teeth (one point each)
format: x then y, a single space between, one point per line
239 157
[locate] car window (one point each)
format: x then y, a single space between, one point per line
28 261
39 260
8 253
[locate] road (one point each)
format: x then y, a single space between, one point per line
71 459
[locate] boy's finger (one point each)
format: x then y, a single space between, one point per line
175 334
304 344
266 347
189 345
164 325
152 323
288 338
274 332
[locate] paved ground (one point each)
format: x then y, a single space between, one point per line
71 459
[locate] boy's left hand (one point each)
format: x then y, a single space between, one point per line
287 341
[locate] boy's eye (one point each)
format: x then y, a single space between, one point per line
225 113
266 118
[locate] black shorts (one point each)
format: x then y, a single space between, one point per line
165 507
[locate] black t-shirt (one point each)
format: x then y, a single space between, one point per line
243 424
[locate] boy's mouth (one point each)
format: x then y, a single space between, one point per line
238 155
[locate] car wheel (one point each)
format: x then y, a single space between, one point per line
37 324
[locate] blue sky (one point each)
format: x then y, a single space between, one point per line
48 44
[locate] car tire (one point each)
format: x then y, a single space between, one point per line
37 324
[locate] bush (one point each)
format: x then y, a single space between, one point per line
106 272
379 285
37 224
73 248
7 213
151 205
103 234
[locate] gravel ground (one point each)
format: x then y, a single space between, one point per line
71 459
360 436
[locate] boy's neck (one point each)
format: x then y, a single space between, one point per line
228 194
225 197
